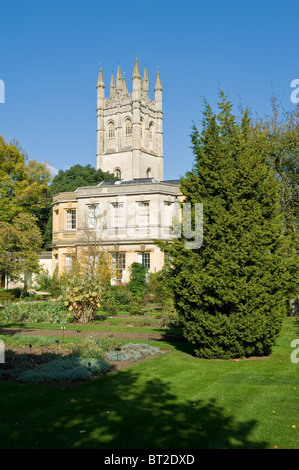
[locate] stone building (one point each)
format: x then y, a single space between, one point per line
127 215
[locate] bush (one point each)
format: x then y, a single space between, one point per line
83 286
136 285
48 283
12 294
158 289
6 297
116 299
132 352
40 312
94 348
136 306
65 369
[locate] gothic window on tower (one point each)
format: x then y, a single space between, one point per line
142 131
149 173
128 131
117 173
151 134
111 134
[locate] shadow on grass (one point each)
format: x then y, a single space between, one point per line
122 411
139 413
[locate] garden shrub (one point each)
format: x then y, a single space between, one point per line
137 282
123 298
6 297
39 312
12 294
65 369
159 290
96 348
132 352
136 306
45 282
116 299
84 284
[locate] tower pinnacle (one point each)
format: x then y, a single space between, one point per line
101 79
136 72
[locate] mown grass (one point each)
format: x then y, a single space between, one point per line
172 401
92 327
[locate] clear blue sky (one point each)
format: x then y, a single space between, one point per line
51 54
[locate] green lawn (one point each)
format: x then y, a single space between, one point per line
172 401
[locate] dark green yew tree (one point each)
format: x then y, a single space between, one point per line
232 293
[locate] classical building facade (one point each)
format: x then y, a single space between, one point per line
127 215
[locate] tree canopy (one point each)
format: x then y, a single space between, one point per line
23 200
23 183
76 176
20 244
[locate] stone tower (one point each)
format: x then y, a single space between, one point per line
129 127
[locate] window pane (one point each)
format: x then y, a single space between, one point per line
91 214
128 127
144 258
118 214
68 262
111 131
119 266
143 213
71 219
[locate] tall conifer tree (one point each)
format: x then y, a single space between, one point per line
231 293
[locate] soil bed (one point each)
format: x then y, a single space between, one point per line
18 357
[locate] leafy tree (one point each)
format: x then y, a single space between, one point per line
279 136
77 176
23 183
232 292
20 244
280 132
23 198
68 181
